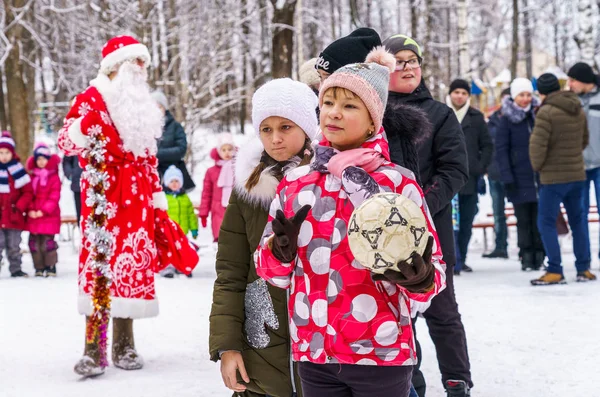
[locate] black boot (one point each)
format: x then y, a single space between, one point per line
457 388
497 253
124 355
88 366
527 261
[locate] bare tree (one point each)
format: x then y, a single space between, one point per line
514 56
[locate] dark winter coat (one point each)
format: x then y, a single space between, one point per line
493 123
479 148
72 171
13 205
559 136
172 147
512 151
241 300
443 165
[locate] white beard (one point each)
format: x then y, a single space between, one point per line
135 114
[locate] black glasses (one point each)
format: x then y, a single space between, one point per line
413 63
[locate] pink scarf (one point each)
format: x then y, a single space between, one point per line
225 180
367 159
41 177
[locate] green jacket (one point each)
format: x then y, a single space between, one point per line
181 210
248 315
559 136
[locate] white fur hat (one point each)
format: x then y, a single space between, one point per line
519 85
289 99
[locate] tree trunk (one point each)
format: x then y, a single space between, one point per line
515 40
283 39
3 115
332 10
463 40
368 15
555 33
16 91
245 51
355 18
585 37
414 19
528 46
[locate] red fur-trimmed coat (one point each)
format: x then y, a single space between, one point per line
337 313
133 195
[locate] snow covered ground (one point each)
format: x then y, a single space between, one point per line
523 341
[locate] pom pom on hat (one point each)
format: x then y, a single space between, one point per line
308 74
382 57
289 99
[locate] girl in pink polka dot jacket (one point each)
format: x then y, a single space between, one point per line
351 330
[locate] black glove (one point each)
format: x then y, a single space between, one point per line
417 276
285 242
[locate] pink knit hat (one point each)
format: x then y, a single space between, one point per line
369 80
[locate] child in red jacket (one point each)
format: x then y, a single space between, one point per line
218 183
350 329
44 212
15 196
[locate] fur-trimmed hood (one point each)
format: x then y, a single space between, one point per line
515 113
246 160
407 122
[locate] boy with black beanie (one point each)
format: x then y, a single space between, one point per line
443 171
555 149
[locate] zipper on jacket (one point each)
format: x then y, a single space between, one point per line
292 375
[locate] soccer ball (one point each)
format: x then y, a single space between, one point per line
386 229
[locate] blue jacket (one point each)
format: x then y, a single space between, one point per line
512 151
494 168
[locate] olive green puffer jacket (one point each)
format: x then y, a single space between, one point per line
248 315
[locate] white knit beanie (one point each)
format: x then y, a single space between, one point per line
519 85
160 98
289 99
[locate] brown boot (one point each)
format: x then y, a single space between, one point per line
89 365
124 355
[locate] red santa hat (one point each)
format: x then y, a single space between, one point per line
120 49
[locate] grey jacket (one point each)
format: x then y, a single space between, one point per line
591 106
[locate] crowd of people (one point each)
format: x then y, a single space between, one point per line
293 312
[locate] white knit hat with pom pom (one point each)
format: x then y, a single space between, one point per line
369 81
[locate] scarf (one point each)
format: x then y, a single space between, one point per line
40 177
16 171
352 167
460 113
225 180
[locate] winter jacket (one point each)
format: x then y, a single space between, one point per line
181 210
559 136
173 142
172 147
72 171
591 106
211 195
14 205
243 302
479 148
45 198
443 164
338 314
512 152
493 123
